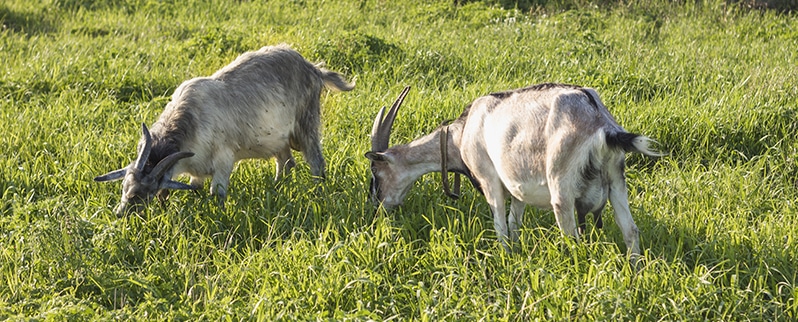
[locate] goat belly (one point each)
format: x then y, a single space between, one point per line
535 193
262 147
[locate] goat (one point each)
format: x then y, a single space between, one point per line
553 146
262 105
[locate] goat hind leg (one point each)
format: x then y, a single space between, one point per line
598 222
310 145
562 171
581 221
563 203
581 216
564 213
623 216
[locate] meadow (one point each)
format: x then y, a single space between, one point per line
715 83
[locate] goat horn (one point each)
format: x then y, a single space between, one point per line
112 176
381 130
375 132
145 145
168 162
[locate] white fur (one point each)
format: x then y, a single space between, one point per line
545 146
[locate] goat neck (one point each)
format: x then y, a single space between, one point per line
426 152
444 139
401 165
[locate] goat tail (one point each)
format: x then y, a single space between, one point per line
335 81
630 142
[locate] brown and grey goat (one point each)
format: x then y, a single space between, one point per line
552 146
261 105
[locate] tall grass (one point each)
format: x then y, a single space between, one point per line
714 83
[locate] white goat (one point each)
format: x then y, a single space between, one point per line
552 146
263 104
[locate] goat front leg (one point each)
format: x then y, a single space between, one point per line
219 183
163 196
516 218
285 162
495 198
196 184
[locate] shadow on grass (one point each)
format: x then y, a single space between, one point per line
25 22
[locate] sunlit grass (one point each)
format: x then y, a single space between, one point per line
714 84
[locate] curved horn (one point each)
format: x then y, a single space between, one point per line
145 146
381 130
168 162
375 132
111 176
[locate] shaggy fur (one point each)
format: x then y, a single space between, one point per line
262 105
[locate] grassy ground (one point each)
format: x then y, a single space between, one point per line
716 85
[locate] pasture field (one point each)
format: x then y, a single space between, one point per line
715 84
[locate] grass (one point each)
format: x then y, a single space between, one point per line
714 83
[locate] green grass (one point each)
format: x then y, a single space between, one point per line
715 84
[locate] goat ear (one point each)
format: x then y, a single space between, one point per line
379 156
176 185
111 176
